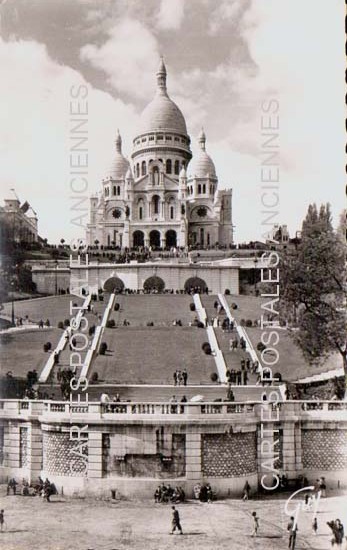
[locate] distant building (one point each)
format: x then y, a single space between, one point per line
159 199
278 235
18 222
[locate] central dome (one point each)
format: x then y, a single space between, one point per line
162 113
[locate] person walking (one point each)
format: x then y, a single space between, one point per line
2 519
176 523
315 526
255 524
292 529
246 491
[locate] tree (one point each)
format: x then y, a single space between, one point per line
314 288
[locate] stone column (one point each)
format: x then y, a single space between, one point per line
35 451
298 452
289 454
193 454
11 445
95 455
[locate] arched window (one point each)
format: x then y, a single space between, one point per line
168 166
114 190
118 189
140 213
137 170
204 188
172 212
143 168
156 200
199 188
177 167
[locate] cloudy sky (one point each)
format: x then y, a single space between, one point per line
224 57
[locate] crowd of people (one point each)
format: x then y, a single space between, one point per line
203 492
44 489
166 493
180 377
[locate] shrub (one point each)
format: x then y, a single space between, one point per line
61 325
227 291
91 330
192 307
95 377
261 346
242 322
233 305
249 323
214 377
200 324
103 348
208 350
205 345
47 346
277 377
66 322
110 323
101 298
116 307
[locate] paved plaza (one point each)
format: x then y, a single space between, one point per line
86 524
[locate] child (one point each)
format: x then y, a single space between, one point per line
255 524
315 525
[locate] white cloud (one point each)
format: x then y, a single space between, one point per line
129 58
224 12
35 128
171 14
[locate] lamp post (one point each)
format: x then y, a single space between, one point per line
12 304
56 277
255 261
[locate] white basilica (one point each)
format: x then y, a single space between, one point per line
160 198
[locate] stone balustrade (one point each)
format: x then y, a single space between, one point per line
46 410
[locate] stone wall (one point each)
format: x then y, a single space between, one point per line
324 449
93 277
48 280
228 455
60 455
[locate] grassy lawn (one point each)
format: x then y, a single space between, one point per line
54 308
291 363
23 351
161 309
248 307
151 355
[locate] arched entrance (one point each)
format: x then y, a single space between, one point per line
138 239
195 284
154 238
114 284
171 238
154 283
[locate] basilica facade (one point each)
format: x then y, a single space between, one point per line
163 197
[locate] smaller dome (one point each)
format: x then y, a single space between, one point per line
202 164
120 164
